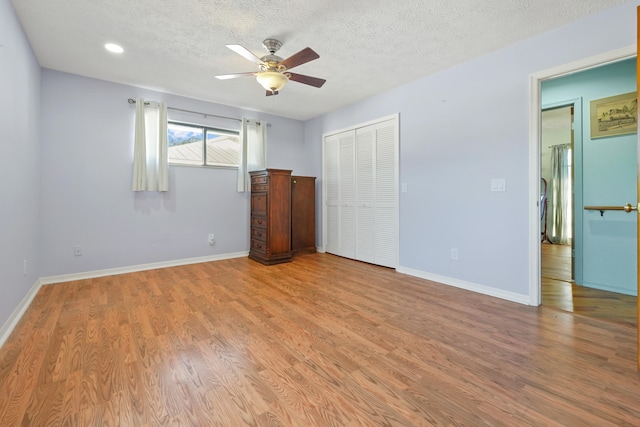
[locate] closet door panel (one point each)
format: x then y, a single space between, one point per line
347 194
386 235
386 194
332 196
365 187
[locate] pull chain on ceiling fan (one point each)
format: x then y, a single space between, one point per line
274 74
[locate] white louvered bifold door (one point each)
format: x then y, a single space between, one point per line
365 242
361 198
347 194
332 196
386 228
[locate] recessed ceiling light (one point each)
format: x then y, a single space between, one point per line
112 47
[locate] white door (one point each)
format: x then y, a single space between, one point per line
331 194
347 195
361 195
386 194
365 189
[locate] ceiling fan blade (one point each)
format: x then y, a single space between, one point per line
242 51
233 76
307 80
269 93
305 55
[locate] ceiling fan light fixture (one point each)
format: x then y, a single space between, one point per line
272 80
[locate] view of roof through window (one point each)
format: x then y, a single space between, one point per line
186 146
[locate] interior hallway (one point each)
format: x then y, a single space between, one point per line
558 291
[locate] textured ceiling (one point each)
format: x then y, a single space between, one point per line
365 46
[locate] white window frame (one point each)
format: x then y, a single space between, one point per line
204 129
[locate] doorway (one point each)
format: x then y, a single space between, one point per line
589 293
557 204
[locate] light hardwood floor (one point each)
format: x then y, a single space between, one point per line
558 291
320 341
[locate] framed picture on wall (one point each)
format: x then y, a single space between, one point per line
615 115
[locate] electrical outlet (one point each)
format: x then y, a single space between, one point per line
77 250
454 253
212 239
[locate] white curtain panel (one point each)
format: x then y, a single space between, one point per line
560 212
253 151
150 152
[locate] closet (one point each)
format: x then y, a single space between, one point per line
361 192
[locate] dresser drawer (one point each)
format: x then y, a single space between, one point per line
258 188
258 221
259 234
259 204
258 246
259 179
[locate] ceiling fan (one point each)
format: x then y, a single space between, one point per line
274 74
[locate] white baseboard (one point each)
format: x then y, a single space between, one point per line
17 314
469 286
141 267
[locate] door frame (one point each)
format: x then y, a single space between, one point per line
535 108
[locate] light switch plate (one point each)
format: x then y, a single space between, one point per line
498 184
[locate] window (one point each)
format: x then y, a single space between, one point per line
186 145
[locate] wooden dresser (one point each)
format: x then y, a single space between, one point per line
303 214
270 216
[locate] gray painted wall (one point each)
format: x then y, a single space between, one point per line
19 163
461 128
87 144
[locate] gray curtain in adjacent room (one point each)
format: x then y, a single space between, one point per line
560 213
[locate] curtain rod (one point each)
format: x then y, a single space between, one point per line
133 101
560 145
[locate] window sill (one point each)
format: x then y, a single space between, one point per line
203 166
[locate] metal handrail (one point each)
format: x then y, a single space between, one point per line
627 208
